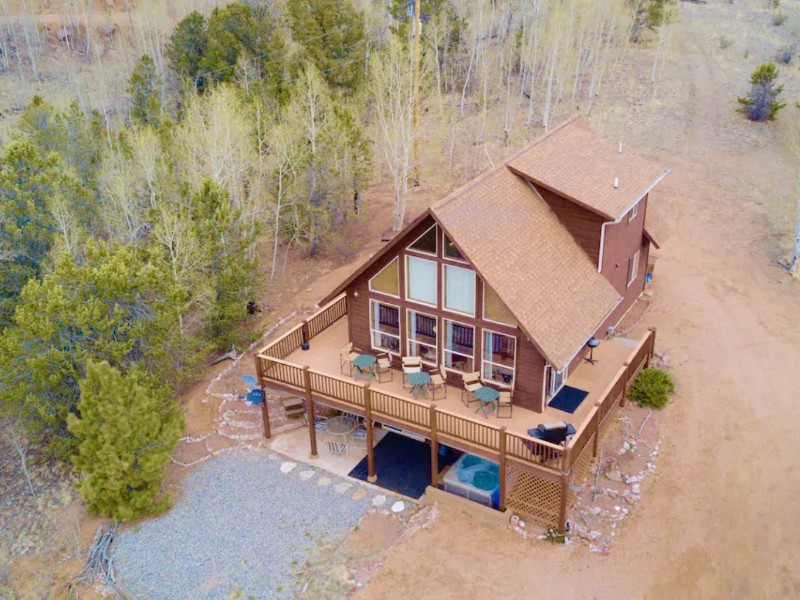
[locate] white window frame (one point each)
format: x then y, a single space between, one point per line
444 345
552 390
444 291
409 341
460 261
633 273
485 330
369 283
633 212
483 309
372 331
408 258
424 233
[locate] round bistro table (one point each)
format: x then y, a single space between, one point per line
418 382
341 425
364 364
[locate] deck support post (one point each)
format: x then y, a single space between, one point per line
652 347
265 404
501 503
312 429
371 476
596 443
562 512
304 334
627 366
434 449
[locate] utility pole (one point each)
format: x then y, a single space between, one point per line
416 52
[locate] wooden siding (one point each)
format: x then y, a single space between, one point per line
584 225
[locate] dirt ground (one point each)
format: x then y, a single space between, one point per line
718 520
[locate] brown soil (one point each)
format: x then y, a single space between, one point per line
717 520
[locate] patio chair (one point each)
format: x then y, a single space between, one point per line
360 434
347 355
505 402
411 364
337 448
383 366
437 382
472 383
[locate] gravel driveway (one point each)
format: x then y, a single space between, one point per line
244 524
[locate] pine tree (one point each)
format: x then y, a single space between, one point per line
126 430
761 102
143 89
186 48
332 34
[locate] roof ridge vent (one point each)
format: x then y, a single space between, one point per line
616 183
620 147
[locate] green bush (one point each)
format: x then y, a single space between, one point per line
651 388
778 19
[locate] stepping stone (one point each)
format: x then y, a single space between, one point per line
306 475
288 467
342 487
359 494
379 500
324 481
274 456
398 507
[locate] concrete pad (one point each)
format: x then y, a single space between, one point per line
307 474
288 467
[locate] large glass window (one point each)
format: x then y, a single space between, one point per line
384 323
459 347
450 250
387 281
459 289
422 336
426 242
499 353
421 280
494 309
557 381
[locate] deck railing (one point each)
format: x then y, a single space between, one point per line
327 315
538 456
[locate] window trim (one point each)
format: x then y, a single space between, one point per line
372 331
461 261
408 257
423 252
388 295
633 212
473 314
551 393
409 340
485 330
445 350
633 274
483 309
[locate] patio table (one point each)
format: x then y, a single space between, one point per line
342 425
487 396
365 366
418 382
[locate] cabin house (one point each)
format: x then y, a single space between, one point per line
513 278
513 273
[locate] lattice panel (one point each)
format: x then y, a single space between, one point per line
533 498
609 420
580 468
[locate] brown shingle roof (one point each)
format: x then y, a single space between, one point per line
655 225
518 245
576 163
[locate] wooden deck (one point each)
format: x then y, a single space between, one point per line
535 475
323 355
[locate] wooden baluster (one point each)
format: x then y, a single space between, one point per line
562 511
312 430
371 476
264 405
434 449
502 443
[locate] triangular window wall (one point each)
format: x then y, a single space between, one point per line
426 243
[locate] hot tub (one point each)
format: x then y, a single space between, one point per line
474 478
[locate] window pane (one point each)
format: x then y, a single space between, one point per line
426 242
422 336
459 346
498 357
421 280
385 326
450 250
387 280
494 309
459 287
